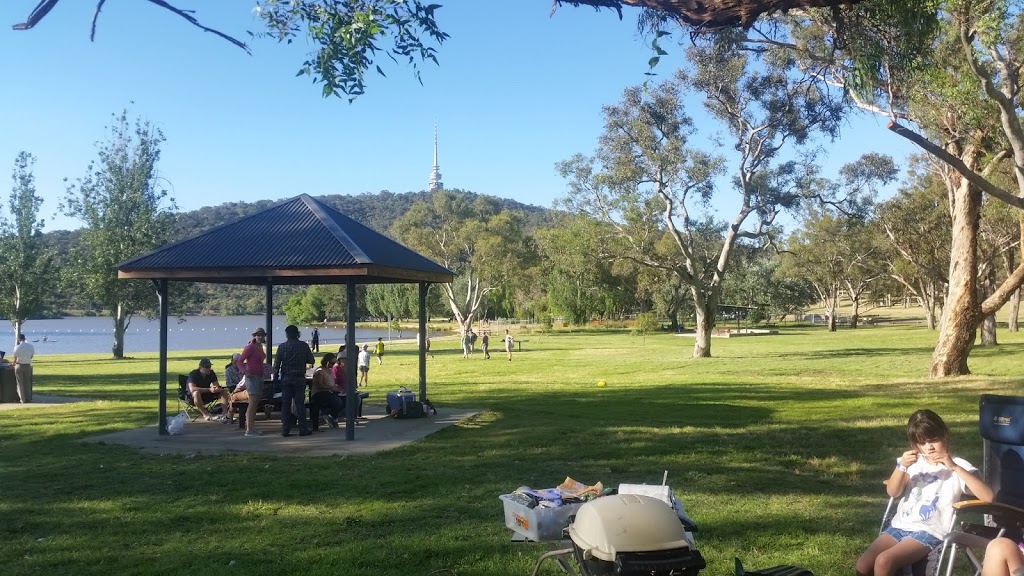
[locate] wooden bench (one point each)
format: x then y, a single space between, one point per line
265 405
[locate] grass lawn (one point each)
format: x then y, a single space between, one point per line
777 446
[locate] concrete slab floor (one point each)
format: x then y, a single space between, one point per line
374 434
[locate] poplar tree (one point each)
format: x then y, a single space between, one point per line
27 275
126 212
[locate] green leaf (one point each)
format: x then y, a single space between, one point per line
653 61
328 90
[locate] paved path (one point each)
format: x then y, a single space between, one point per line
376 433
40 401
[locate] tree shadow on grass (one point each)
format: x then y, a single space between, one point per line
744 477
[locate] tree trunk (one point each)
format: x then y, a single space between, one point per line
988 325
702 333
855 311
928 303
17 330
831 304
120 324
1011 323
988 331
960 312
673 318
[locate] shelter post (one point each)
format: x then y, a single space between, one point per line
423 341
351 397
161 293
269 320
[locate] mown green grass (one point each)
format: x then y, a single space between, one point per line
777 446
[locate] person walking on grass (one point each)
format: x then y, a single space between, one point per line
508 344
364 366
293 356
315 341
378 351
484 341
250 363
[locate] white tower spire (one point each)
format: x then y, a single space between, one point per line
435 173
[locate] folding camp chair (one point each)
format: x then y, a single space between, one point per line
927 566
1001 424
186 403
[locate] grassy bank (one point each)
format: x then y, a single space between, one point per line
777 447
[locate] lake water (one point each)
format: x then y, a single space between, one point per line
96 334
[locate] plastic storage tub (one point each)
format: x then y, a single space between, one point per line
537 524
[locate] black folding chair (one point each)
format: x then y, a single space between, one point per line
187 403
1001 424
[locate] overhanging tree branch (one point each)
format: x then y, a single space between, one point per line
44 7
708 14
958 165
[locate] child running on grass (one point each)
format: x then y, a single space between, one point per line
933 481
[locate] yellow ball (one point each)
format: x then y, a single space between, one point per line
601 383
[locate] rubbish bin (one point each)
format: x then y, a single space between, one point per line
8 384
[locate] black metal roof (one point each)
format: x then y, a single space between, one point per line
297 241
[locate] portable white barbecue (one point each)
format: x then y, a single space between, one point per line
627 535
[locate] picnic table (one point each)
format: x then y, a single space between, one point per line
520 343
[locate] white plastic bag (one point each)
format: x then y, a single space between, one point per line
175 424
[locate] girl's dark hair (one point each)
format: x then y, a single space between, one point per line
925 425
327 359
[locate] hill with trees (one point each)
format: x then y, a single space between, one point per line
378 211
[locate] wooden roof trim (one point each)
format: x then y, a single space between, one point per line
237 274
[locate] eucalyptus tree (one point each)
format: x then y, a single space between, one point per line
484 245
318 303
391 300
646 179
576 256
126 212
761 281
28 278
915 222
998 244
812 253
949 82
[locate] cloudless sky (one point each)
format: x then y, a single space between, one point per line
517 90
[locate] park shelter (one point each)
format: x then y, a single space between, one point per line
300 241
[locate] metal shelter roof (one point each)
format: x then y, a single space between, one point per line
297 241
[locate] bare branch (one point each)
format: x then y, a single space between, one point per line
194 22
44 7
95 16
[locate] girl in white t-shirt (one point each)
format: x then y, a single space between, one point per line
931 481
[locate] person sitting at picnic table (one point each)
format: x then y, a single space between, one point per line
324 394
204 388
340 379
232 376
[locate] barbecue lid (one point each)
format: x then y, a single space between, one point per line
619 523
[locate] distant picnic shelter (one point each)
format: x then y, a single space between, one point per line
300 241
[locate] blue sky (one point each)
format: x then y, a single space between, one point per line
517 90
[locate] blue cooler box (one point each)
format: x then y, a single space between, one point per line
397 400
